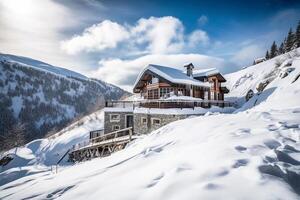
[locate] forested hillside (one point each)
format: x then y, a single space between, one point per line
36 101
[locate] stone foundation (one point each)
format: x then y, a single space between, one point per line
108 123
145 127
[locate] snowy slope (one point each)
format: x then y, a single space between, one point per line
40 65
240 82
253 153
43 153
44 98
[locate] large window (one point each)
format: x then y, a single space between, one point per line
212 95
206 95
153 94
114 118
165 92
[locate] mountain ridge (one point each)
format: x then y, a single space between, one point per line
37 98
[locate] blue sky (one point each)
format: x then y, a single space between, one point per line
113 40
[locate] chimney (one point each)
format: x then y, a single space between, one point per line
189 69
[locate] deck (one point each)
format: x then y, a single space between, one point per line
166 103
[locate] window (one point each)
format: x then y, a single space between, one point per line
154 80
181 92
165 92
212 96
155 121
153 94
114 118
144 120
205 94
115 127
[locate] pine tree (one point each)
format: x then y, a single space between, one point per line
281 49
289 41
274 50
297 36
267 55
284 45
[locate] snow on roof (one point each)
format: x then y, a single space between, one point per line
260 59
205 72
171 74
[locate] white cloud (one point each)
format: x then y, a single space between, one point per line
247 54
202 20
98 37
163 35
124 72
198 37
155 35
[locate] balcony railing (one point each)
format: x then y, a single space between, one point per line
166 103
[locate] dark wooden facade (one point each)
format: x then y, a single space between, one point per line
153 86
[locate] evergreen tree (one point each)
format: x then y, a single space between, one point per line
289 41
297 36
281 49
284 45
274 50
267 55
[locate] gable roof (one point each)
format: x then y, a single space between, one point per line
170 74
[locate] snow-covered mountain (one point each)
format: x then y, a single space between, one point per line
36 98
252 153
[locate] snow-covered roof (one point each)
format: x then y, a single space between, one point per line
205 72
171 74
260 59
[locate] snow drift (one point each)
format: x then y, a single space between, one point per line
253 153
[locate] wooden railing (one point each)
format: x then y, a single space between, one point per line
166 103
111 137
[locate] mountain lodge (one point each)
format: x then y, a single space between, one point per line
166 94
160 82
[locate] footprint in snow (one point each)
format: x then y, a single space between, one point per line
59 192
155 180
240 163
240 149
242 132
272 144
212 186
272 127
266 116
183 167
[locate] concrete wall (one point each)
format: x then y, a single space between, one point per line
108 124
144 128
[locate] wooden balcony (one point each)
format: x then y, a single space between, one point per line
164 103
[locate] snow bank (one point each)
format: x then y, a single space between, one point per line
251 154
195 158
46 152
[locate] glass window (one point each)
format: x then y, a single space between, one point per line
115 127
154 80
155 121
144 120
206 95
114 118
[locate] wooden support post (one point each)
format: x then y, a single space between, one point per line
130 134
